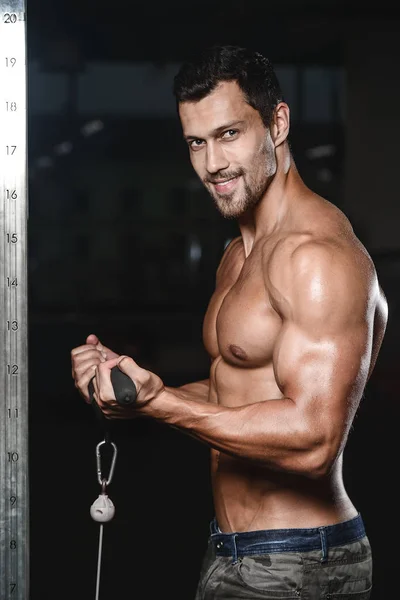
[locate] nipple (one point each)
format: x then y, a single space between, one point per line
238 352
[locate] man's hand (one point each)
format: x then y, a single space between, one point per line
85 360
148 385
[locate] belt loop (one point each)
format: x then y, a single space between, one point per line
214 527
235 556
324 546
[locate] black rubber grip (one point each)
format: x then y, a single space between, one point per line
124 388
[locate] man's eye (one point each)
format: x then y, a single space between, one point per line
230 133
195 143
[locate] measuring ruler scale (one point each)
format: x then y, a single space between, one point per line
14 480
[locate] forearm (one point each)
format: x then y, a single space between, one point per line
272 433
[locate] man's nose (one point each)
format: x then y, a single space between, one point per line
216 159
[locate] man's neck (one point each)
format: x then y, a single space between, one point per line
269 215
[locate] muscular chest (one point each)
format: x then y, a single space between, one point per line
240 324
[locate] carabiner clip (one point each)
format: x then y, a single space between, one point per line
102 480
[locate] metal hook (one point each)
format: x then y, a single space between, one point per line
102 480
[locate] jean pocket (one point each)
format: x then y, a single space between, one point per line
350 579
209 565
274 576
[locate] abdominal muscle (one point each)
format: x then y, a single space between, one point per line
250 497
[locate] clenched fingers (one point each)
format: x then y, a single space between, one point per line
103 381
82 384
84 361
85 348
82 357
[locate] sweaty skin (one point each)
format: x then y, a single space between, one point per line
293 331
288 326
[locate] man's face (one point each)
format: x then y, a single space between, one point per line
230 148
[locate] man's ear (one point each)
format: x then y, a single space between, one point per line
280 124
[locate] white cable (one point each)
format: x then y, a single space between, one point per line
99 562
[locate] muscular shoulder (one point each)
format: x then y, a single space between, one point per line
231 262
324 275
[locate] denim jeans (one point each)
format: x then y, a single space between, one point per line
321 563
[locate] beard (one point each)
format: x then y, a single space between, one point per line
250 188
235 204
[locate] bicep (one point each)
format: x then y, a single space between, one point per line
322 356
325 375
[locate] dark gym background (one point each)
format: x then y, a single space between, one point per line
124 243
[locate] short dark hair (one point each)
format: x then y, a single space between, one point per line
253 73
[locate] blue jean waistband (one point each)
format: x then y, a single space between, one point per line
266 541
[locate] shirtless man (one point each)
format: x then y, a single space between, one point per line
293 330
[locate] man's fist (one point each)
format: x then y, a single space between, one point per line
148 386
